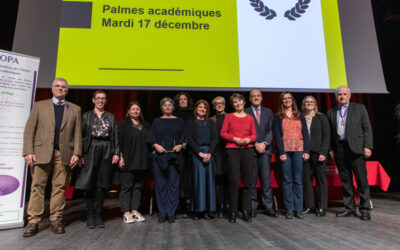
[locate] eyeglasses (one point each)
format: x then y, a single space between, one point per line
100 99
308 102
219 103
287 98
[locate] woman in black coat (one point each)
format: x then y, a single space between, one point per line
134 161
100 152
319 131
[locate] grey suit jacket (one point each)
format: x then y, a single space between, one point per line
264 130
40 127
358 128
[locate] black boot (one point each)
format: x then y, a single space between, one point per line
90 221
232 217
98 207
220 211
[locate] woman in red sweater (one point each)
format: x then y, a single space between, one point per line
239 132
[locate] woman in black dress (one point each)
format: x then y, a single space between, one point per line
166 137
201 136
100 152
221 173
133 163
184 110
320 137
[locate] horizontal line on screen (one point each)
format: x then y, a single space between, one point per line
141 69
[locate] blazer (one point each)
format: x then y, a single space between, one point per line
264 130
320 135
87 120
358 128
277 131
40 127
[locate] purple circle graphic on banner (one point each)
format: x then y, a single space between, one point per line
8 184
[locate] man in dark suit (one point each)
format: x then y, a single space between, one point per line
351 146
262 151
52 146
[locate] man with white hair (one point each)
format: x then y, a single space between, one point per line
52 146
351 146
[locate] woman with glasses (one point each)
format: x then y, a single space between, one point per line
166 138
292 140
319 131
221 177
100 152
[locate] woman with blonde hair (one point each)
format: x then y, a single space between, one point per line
319 131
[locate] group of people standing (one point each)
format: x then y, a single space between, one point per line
198 160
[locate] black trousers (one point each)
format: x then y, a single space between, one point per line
240 161
348 163
131 189
221 189
318 168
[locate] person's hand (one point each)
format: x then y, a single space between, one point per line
367 153
121 162
74 161
306 156
332 155
207 158
321 158
260 147
115 159
30 159
283 158
177 148
160 149
238 141
80 162
246 141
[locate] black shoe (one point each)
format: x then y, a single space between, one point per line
246 216
271 213
90 220
320 212
289 214
253 213
194 216
308 211
346 213
171 219
298 215
162 219
365 216
99 221
232 217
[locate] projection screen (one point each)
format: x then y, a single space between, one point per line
297 45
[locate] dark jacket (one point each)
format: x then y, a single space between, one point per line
87 123
264 130
358 128
277 131
320 135
192 140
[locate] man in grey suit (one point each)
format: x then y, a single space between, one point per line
351 146
262 152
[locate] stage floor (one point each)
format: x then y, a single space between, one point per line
328 232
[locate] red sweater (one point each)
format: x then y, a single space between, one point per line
241 127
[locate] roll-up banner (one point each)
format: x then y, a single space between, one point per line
18 77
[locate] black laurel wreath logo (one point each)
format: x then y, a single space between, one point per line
266 12
292 14
297 10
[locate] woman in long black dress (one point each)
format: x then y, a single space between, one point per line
100 152
166 137
221 173
184 110
133 163
201 136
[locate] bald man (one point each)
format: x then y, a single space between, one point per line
351 146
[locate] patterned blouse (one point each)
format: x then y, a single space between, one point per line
292 136
101 127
